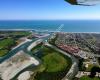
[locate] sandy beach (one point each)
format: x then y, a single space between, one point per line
15 64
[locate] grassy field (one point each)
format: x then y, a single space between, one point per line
5 46
54 66
36 48
23 33
3 52
88 78
19 34
90 66
6 43
10 41
57 60
16 34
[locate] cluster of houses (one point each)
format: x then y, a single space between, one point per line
70 49
83 73
65 42
74 50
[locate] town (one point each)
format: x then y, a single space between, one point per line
31 55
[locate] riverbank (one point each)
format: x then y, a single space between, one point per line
25 41
34 44
11 67
74 68
54 65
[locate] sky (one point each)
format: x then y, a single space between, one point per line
45 10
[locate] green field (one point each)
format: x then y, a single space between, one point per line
3 52
54 65
23 33
88 78
19 34
35 49
11 36
16 33
6 43
5 46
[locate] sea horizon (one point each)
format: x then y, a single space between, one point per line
52 25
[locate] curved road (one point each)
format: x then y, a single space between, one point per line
74 68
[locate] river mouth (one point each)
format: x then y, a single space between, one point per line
15 64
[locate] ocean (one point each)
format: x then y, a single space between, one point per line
53 25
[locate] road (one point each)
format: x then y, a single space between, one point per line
74 68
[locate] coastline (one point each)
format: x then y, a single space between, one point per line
46 31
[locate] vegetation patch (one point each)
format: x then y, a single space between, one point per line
36 48
90 66
3 52
10 39
54 65
59 63
19 34
5 45
88 78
